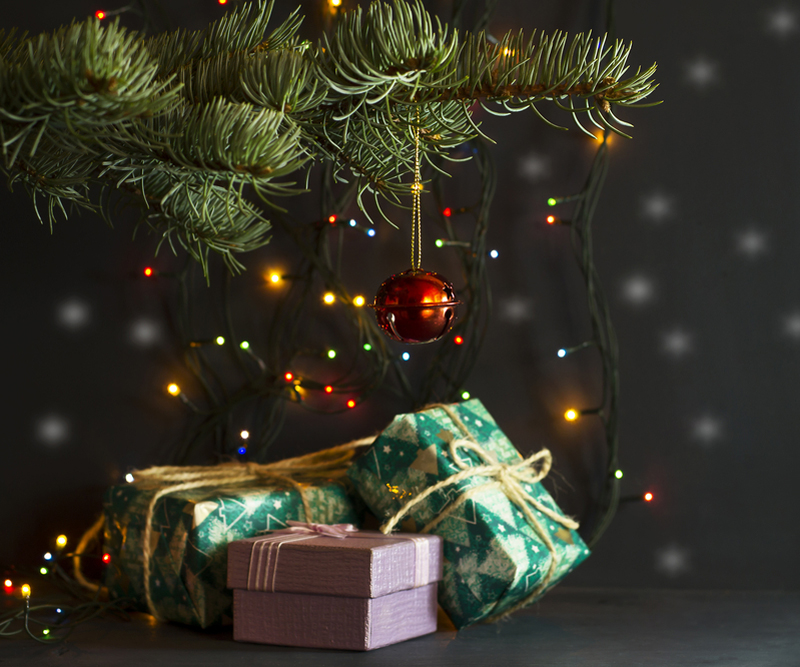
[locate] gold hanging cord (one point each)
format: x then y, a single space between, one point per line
416 207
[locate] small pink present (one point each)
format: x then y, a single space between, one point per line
322 586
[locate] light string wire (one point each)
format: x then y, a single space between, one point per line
268 397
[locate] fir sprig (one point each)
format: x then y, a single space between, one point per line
181 123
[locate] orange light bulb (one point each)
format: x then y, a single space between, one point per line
648 496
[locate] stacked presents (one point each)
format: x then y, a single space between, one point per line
475 523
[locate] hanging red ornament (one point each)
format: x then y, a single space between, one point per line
416 306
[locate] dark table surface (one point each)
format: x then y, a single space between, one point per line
571 626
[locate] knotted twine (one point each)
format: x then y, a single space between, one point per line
329 463
506 477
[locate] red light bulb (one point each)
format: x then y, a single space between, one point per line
447 212
351 403
100 14
648 496
458 340
328 389
106 558
148 271
288 376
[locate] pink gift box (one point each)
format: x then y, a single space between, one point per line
359 592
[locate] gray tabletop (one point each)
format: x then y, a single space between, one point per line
571 626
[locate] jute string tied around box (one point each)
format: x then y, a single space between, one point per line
329 463
508 478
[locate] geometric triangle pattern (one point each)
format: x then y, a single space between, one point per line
188 571
492 557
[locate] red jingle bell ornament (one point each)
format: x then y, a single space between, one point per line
416 306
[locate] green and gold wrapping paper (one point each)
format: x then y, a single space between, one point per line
492 557
191 531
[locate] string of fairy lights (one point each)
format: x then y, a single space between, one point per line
274 372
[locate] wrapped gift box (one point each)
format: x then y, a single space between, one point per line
493 558
190 533
359 592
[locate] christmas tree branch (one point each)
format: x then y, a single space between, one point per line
184 121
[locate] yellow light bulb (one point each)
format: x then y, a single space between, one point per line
336 3
274 278
359 301
174 389
571 415
329 298
25 590
61 541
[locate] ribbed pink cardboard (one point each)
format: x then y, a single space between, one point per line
327 621
361 592
365 564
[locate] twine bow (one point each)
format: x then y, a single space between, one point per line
506 477
340 530
326 464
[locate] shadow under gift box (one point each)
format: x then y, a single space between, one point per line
359 593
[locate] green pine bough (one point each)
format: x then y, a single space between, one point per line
184 125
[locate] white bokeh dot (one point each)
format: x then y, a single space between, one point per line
638 290
145 332
52 430
673 560
701 72
516 309
73 314
707 429
782 22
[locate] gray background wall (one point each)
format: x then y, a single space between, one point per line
696 239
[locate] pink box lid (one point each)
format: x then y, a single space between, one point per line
365 564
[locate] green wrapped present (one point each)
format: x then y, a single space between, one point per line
450 471
190 531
